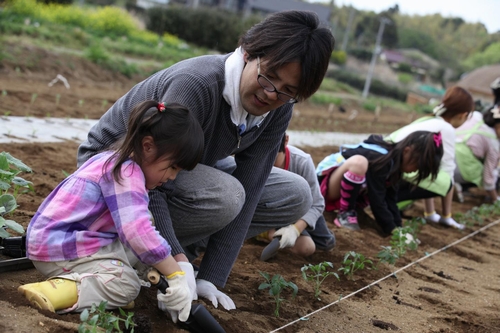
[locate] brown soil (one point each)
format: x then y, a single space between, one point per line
456 290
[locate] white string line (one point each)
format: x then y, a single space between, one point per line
393 273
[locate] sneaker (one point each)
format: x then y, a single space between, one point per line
450 222
434 218
347 219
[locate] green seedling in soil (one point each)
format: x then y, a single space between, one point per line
99 320
404 239
388 255
80 102
353 262
277 284
317 274
11 186
415 224
58 98
104 104
4 92
65 173
33 98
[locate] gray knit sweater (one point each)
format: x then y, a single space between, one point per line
198 84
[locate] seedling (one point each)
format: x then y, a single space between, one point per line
353 262
4 92
415 224
80 102
33 98
99 320
317 275
58 98
10 167
388 255
104 104
277 284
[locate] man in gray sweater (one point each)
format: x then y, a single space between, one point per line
244 102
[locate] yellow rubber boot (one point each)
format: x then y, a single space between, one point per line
52 295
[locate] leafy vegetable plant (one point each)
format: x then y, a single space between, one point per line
277 284
317 274
11 186
388 255
99 320
353 262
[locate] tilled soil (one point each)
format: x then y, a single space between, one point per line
453 290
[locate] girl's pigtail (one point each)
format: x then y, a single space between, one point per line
430 159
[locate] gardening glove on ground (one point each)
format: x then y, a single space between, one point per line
177 300
208 290
189 270
289 235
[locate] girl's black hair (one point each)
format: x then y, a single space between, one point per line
425 152
176 132
489 116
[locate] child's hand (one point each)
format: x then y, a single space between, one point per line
177 299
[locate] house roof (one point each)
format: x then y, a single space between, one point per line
479 80
272 6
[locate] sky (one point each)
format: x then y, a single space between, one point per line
484 11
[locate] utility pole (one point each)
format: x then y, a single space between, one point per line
376 51
348 29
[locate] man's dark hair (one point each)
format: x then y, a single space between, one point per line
292 36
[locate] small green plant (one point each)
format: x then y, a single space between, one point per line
277 284
388 255
104 104
353 262
33 98
80 102
11 186
99 320
317 274
415 224
4 92
58 98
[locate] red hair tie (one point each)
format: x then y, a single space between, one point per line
438 140
161 107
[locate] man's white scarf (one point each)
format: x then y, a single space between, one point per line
233 70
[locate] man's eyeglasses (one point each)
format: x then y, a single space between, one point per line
269 86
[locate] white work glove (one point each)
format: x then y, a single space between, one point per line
289 235
177 300
208 290
189 270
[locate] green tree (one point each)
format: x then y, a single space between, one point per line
490 56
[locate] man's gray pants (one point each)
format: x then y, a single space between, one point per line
206 199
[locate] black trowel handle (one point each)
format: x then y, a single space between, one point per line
200 320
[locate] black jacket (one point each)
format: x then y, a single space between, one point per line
382 196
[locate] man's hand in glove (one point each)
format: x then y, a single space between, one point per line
289 235
208 290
